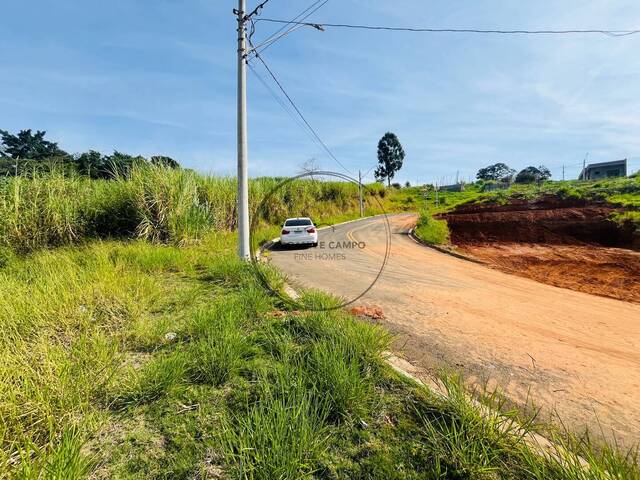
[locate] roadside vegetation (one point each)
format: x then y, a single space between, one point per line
431 230
617 191
134 344
623 192
161 204
137 360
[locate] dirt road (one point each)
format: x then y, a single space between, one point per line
572 353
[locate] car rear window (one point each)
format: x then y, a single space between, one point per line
303 222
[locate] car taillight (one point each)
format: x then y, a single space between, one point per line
284 232
311 230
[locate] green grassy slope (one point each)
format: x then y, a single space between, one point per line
623 192
134 360
156 354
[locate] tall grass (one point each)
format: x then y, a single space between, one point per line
240 386
154 203
431 230
281 435
90 384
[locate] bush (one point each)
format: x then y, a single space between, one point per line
431 230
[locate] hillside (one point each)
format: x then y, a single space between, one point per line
583 236
136 345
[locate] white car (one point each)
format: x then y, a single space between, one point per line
299 231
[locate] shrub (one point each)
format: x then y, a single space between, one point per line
431 230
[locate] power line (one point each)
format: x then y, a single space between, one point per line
256 11
296 23
277 98
296 18
610 33
284 106
368 171
311 129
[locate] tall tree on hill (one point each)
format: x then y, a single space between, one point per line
533 175
497 171
28 145
390 157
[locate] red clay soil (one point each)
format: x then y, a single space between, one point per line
569 244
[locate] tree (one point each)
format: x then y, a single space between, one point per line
163 161
92 164
390 157
497 171
121 164
28 145
533 175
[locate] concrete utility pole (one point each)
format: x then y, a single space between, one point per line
360 192
243 171
563 173
584 167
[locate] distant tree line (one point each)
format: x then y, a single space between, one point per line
27 152
501 172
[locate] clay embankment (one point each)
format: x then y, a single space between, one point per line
566 243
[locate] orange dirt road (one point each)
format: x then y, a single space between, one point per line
574 354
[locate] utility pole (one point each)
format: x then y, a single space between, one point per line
360 193
584 166
563 173
243 171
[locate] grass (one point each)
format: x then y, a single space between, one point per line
177 207
622 192
152 352
617 191
140 360
280 435
432 230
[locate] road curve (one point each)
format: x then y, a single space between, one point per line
576 355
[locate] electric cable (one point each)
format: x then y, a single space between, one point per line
611 33
306 122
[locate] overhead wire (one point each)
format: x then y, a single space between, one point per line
296 18
611 33
368 171
296 23
309 129
302 117
256 11
282 104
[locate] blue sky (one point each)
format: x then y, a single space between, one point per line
158 77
